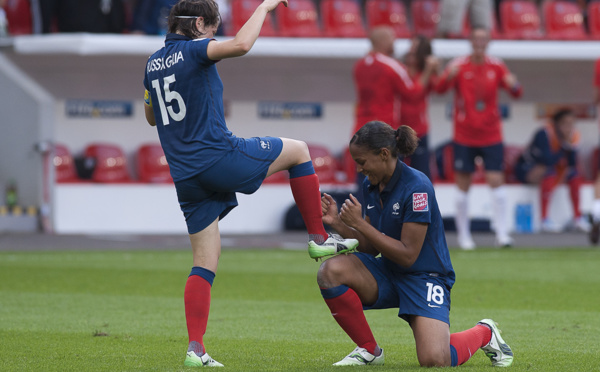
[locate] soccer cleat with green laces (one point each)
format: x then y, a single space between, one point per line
361 357
193 360
333 246
497 350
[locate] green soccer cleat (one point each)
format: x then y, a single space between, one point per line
193 360
361 357
497 350
333 246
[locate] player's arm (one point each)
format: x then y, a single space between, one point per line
148 111
246 36
404 252
448 78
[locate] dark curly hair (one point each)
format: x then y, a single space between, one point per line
376 135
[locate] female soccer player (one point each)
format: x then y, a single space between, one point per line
184 100
422 67
413 273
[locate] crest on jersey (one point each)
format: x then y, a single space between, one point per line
396 209
420 202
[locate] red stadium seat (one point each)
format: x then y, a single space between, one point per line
593 12
511 155
152 164
425 15
111 164
18 15
299 19
342 18
563 20
520 19
64 165
388 12
241 10
325 164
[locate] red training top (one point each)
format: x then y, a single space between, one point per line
476 117
413 111
381 83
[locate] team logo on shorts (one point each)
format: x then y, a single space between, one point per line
265 145
420 203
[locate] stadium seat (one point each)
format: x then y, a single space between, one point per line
563 20
520 19
152 164
325 164
388 12
511 155
342 18
241 10
110 163
64 165
425 16
299 19
593 12
18 15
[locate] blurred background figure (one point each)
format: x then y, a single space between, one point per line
595 231
94 16
476 79
422 68
551 159
453 12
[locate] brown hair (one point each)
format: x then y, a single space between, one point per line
376 135
207 9
423 51
561 113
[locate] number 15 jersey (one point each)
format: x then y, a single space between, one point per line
187 99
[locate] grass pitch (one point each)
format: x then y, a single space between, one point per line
123 311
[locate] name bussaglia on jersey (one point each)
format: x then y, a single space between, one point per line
158 64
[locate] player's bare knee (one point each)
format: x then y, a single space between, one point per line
332 272
432 361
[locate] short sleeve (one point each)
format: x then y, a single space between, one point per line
417 207
198 51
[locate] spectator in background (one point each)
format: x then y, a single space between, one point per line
422 68
551 159
95 16
150 16
595 231
452 16
476 79
381 83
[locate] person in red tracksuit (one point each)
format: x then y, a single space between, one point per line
476 79
382 84
422 68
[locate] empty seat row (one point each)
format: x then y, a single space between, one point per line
107 163
519 19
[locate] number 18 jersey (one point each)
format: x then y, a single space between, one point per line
187 99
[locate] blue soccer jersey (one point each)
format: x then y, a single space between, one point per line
410 197
187 100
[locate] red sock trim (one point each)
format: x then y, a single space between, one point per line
306 193
197 305
467 342
348 313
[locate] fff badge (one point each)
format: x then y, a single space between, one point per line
420 202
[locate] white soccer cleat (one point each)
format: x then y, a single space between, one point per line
361 357
504 241
466 243
333 246
193 360
550 227
497 350
582 224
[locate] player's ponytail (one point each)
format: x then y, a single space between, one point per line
376 135
406 140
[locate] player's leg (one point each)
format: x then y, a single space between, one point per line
574 180
595 231
206 249
464 166
452 14
346 284
432 338
304 183
493 157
